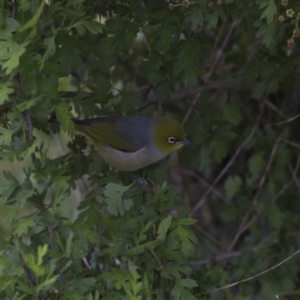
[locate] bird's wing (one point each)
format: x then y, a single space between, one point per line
110 131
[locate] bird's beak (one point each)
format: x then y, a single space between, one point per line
186 142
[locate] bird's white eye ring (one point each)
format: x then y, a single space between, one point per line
171 140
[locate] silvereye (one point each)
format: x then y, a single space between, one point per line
132 142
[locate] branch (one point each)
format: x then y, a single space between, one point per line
252 277
228 165
28 271
219 52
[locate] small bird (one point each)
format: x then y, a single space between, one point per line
132 142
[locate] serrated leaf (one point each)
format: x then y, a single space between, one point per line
64 117
23 225
10 53
49 42
269 12
116 205
187 238
232 186
6 88
26 104
163 227
93 26
196 17
47 283
186 61
179 292
166 37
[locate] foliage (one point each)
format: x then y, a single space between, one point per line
72 227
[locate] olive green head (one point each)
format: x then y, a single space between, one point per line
168 135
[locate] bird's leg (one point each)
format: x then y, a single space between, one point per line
141 182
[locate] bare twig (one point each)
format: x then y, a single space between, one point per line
287 121
79 78
219 257
272 106
219 52
50 231
240 232
191 108
243 227
252 277
294 174
15 9
231 161
146 41
86 263
28 271
264 176
209 236
29 124
189 91
204 183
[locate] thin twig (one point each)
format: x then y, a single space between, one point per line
240 232
272 106
86 263
245 227
219 52
191 108
29 124
267 169
50 231
252 277
189 91
146 42
28 271
218 257
295 175
79 78
15 9
204 183
209 236
287 121
231 161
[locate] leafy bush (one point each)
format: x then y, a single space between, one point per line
72 227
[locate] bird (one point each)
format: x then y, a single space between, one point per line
130 143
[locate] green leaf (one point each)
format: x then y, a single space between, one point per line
11 25
269 12
232 186
26 104
94 27
116 205
49 42
47 283
163 227
256 162
10 53
179 292
196 17
187 238
64 117
34 19
166 37
6 88
231 113
186 61
22 226
42 251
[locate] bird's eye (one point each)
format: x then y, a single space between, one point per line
171 140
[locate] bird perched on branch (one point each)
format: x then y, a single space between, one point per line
132 142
